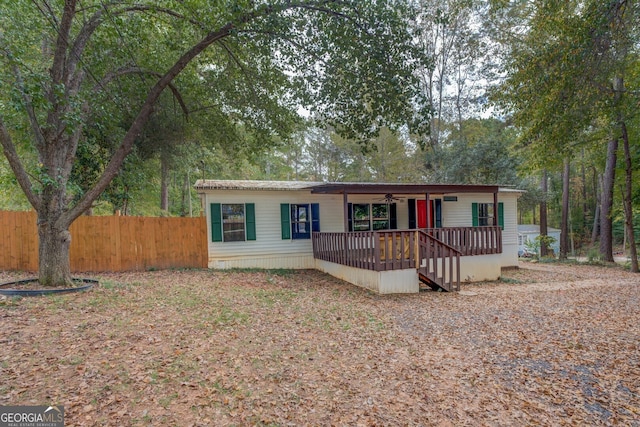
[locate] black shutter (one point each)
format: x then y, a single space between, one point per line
438 209
393 216
411 204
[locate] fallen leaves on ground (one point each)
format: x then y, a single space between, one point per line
549 344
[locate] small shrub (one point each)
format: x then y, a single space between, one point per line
594 256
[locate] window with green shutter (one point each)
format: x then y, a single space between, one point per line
233 222
298 220
483 214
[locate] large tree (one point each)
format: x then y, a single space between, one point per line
566 79
351 61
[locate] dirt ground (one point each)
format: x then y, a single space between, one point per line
548 344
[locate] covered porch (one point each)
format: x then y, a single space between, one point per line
434 254
424 252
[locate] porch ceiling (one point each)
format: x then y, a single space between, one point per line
396 189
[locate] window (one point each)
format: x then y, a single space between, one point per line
483 214
361 217
375 216
300 222
233 222
380 216
297 221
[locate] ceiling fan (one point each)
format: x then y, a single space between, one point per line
389 198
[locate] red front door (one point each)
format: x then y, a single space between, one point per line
422 214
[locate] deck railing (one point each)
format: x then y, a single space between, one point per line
434 252
370 250
439 262
470 240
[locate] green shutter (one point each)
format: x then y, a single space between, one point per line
250 212
474 214
501 215
216 222
285 223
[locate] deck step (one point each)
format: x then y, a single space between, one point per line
435 283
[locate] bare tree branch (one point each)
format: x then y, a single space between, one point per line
28 104
128 140
125 147
137 70
11 154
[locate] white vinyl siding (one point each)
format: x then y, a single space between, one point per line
269 241
269 250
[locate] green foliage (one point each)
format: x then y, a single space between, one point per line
349 63
533 246
323 155
488 158
546 240
619 229
559 76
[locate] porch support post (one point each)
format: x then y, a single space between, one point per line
345 238
495 208
346 212
428 208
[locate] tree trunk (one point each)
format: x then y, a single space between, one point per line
595 233
544 251
628 199
606 225
186 197
164 182
564 227
53 253
584 229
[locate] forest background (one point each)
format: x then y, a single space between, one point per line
541 96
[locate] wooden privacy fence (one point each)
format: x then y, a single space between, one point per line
109 243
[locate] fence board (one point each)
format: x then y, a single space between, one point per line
109 243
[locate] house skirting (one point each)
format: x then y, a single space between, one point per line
480 268
285 261
472 269
382 282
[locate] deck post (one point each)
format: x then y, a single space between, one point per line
345 255
345 205
428 210
495 209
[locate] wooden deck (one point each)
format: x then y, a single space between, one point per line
435 253
470 240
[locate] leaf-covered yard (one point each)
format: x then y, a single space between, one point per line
547 345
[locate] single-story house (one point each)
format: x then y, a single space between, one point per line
527 234
386 237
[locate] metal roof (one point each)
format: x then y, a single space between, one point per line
400 188
347 187
230 184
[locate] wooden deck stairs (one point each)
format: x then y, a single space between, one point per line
438 263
